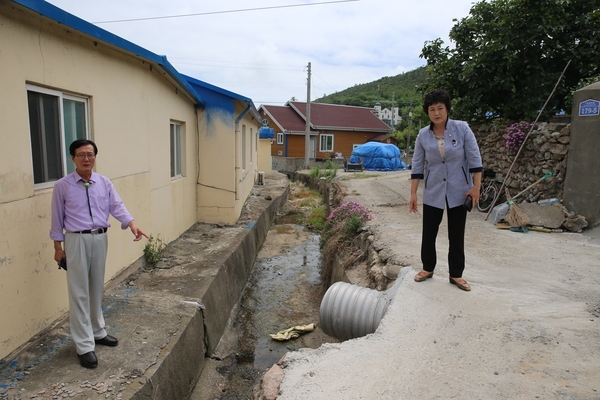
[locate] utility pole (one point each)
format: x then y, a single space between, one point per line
307 133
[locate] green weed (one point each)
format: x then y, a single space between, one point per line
153 250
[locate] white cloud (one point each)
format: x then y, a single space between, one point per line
263 54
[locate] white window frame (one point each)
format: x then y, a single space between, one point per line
279 137
177 149
323 139
64 156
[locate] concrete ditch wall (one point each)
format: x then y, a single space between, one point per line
173 378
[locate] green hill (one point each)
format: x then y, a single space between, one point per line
402 87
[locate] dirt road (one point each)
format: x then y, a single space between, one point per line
530 327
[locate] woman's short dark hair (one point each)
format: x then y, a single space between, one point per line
81 142
437 96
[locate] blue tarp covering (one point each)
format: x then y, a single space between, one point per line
377 156
266 133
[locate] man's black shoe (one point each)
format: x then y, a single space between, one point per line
107 341
88 360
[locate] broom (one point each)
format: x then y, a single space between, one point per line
515 216
543 178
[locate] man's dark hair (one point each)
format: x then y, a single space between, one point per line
437 96
81 142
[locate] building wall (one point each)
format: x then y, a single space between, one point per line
386 115
343 142
224 180
265 162
131 106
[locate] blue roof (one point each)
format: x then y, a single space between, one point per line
50 11
201 86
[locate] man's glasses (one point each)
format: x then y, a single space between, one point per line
82 156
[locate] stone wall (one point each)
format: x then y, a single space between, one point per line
546 150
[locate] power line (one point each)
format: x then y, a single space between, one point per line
238 67
334 89
236 62
220 12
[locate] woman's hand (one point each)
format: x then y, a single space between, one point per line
413 204
474 193
414 186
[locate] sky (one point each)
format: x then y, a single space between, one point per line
262 49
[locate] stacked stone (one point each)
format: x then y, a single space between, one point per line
545 150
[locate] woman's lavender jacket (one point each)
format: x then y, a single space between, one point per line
447 178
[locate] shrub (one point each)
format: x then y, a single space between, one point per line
329 164
515 134
153 250
315 172
351 214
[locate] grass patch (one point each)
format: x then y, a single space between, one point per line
317 217
310 202
360 175
304 207
328 171
304 193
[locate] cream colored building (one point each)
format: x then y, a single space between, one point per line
178 150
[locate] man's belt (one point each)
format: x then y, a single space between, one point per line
99 230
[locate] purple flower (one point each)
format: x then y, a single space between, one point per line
515 134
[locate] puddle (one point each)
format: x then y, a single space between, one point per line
283 290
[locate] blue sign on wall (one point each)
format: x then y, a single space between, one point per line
589 107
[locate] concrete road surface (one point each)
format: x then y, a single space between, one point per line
530 327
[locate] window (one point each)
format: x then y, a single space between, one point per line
251 145
256 145
279 137
326 143
56 119
176 150
244 149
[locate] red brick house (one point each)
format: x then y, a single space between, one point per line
334 129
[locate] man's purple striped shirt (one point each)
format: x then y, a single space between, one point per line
70 211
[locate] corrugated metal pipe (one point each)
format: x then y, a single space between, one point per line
350 311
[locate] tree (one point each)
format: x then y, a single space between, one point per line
508 55
402 88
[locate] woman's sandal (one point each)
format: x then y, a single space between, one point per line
461 283
423 276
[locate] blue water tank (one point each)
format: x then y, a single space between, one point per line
266 133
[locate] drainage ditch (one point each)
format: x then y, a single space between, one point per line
283 290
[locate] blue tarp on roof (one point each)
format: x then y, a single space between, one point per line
377 156
50 11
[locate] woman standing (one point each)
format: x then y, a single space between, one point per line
445 156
